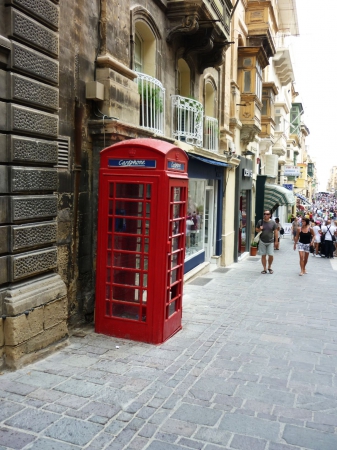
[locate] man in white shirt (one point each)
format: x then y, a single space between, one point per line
317 231
329 231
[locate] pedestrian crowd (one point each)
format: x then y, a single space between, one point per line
313 230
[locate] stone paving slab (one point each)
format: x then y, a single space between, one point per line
254 368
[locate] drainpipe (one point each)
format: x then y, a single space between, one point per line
77 167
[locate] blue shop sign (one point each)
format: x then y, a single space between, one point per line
173 165
290 187
143 163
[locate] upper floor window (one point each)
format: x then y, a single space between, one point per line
138 54
210 100
145 49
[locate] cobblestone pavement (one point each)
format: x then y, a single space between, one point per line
254 368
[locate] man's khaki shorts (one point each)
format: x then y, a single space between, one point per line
266 249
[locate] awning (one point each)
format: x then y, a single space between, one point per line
304 199
214 162
275 194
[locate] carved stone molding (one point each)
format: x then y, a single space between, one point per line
20 237
31 62
25 90
27 120
24 179
28 150
25 295
188 25
27 207
43 10
27 264
32 33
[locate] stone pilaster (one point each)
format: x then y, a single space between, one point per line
33 298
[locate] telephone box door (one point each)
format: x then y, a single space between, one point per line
125 235
175 257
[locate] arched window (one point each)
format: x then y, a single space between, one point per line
210 99
145 49
211 132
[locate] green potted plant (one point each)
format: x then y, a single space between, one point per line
253 248
151 98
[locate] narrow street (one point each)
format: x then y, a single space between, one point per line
254 368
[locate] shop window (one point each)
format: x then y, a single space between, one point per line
195 217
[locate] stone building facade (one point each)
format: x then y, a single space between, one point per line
79 76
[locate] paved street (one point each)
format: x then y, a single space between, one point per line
254 368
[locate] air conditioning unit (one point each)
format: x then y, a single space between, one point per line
271 167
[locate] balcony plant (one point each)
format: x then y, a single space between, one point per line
151 96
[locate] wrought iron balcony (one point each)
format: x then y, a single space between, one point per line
152 103
187 120
211 134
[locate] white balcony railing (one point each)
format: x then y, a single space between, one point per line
152 103
187 120
211 136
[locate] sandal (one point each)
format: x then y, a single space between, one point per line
270 271
264 271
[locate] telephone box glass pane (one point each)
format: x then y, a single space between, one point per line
174 274
126 278
175 243
130 243
172 308
148 209
176 211
148 191
126 294
144 280
129 190
176 194
129 208
125 311
128 260
108 275
108 308
110 207
131 226
111 190
144 299
147 227
146 263
109 241
108 292
174 259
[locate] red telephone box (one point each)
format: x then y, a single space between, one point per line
141 240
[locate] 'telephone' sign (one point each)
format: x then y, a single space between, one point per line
139 163
173 165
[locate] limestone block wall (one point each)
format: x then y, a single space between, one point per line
29 131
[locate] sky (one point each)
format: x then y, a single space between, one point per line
315 60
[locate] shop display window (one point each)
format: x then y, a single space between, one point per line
195 217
